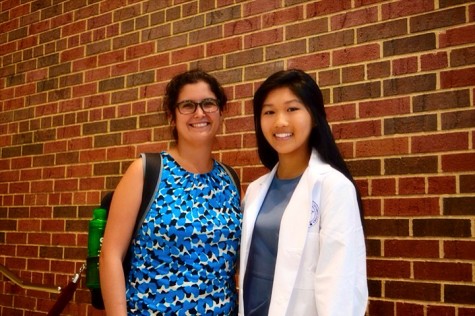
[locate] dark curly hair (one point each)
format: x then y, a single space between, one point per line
189 77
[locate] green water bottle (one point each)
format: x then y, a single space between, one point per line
96 233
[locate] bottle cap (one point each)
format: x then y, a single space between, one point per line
99 213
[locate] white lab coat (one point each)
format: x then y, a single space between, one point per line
321 261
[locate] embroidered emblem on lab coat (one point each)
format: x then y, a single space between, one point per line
313 214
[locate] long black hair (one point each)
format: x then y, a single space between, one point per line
321 138
172 91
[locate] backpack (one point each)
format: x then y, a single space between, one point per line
152 178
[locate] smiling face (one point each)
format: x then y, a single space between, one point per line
286 123
199 127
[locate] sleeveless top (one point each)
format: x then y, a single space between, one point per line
185 254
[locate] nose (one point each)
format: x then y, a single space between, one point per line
199 111
281 119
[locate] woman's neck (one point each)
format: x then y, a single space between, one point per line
195 159
292 166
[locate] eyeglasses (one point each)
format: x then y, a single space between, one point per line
189 107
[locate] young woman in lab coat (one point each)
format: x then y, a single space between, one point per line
302 247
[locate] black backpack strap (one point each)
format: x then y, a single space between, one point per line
233 175
152 163
152 174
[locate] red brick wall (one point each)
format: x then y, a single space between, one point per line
81 85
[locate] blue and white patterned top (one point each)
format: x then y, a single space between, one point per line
185 253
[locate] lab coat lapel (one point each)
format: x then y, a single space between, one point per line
292 236
254 199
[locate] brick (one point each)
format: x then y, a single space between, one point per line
458 162
438 227
256 7
188 24
405 8
98 47
353 74
262 70
387 227
383 187
388 107
383 147
350 19
308 28
357 54
112 84
459 249
242 26
407 85
467 183
377 307
204 35
441 100
356 129
411 249
326 7
408 45
138 51
437 19
404 66
285 49
441 185
440 142
17 34
128 67
187 54
459 294
457 78
440 311
358 91
426 206
388 268
411 186
105 141
124 96
153 62
128 123
366 167
341 112
326 42
141 78
413 309
458 36
125 40
413 124
434 61
67 158
135 137
460 205
462 57
429 292
226 14
410 165
281 17
456 272
50 36
265 37
381 31
328 77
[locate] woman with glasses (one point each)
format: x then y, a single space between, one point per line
186 250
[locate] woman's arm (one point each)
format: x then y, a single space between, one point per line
340 280
120 225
